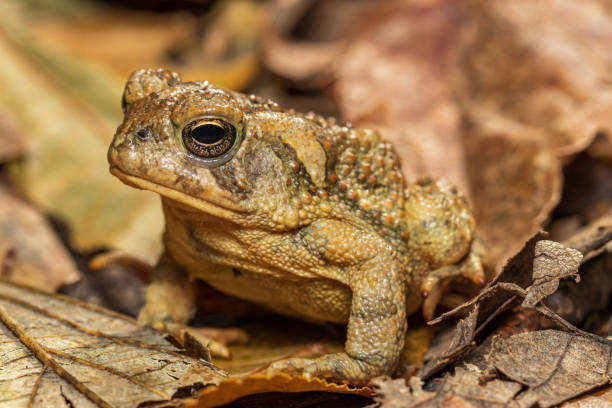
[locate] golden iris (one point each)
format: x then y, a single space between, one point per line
209 138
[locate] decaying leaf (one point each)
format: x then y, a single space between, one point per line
522 275
552 262
13 142
463 388
525 276
219 46
554 365
30 252
57 351
594 238
516 184
544 65
574 302
446 75
600 398
236 387
309 59
408 92
66 171
451 345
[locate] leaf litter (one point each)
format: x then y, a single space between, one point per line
30 252
56 348
547 367
506 131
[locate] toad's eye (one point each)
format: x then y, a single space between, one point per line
209 138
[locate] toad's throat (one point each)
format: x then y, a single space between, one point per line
228 211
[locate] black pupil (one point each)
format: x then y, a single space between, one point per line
208 134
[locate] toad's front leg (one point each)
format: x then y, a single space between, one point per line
170 304
377 321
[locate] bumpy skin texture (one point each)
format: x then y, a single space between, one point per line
307 217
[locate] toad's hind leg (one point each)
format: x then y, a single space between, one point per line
470 267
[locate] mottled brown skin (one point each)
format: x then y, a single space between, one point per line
307 217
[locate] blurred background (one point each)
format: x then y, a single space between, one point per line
510 101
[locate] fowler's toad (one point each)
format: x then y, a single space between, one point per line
304 216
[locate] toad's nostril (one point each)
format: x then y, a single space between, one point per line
144 134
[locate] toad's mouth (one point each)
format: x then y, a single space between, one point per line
228 211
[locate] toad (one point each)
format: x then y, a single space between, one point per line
305 216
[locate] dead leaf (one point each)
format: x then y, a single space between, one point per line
593 239
416 346
560 89
58 351
236 387
574 302
13 142
554 365
451 345
397 76
516 184
600 398
307 59
518 271
526 277
552 262
461 389
30 252
587 191
219 46
418 95
66 172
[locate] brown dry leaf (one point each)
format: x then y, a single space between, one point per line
58 351
554 365
598 399
66 171
516 184
417 344
396 394
236 387
551 104
13 142
220 46
552 262
447 90
525 276
461 389
477 310
411 95
397 76
322 26
593 239
272 338
574 302
451 345
522 275
544 65
30 252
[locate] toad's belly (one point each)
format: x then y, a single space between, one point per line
316 300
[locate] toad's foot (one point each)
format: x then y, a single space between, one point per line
434 284
339 366
215 339
170 303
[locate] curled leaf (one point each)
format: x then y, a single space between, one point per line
236 387
552 262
